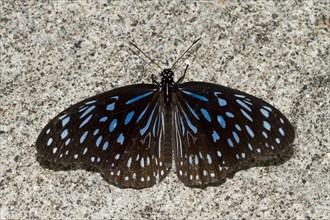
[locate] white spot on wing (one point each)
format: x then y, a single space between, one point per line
49 142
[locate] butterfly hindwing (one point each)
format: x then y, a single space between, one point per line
218 128
120 132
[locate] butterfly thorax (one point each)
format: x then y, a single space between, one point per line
167 84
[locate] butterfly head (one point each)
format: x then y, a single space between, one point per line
167 76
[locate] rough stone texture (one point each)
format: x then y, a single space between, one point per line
55 53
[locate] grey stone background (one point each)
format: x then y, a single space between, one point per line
55 53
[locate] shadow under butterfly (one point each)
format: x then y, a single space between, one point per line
132 133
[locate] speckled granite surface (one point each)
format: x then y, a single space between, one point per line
55 54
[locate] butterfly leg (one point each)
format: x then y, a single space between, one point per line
154 81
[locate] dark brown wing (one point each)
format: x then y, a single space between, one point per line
218 128
120 132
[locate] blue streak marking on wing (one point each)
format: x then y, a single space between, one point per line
85 121
193 112
143 130
155 127
182 125
98 141
82 108
192 127
236 136
87 111
139 97
249 131
83 137
202 98
90 102
246 115
247 102
243 105
63 116
143 112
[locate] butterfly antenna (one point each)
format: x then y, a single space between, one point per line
146 55
186 52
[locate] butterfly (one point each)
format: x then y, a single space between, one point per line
132 133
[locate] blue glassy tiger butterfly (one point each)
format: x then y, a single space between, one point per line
132 133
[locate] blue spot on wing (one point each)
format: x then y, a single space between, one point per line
206 114
266 125
230 142
129 117
64 134
110 107
103 119
98 141
105 145
65 121
96 132
264 112
229 114
215 136
120 139
113 125
222 102
221 121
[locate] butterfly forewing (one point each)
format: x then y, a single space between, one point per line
218 128
120 132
